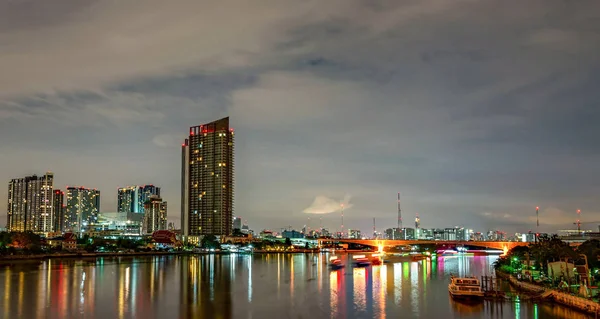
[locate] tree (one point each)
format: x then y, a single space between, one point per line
288 242
84 240
5 239
25 240
591 249
210 242
549 249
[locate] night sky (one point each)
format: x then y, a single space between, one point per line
476 111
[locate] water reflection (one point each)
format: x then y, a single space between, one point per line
259 286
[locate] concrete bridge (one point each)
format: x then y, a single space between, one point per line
376 243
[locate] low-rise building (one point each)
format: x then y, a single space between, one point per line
292 234
69 242
354 234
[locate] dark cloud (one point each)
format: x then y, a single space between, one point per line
475 111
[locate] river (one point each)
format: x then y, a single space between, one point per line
270 286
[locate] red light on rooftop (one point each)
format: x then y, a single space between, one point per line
537 208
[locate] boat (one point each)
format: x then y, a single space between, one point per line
335 263
361 261
465 289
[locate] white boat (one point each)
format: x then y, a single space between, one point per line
466 288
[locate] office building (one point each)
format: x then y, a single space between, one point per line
131 200
207 180
58 208
292 234
354 233
113 225
29 206
82 207
408 234
449 234
155 215
128 199
146 192
237 223
394 233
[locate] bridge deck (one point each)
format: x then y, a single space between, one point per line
501 245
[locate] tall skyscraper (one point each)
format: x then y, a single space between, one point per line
128 199
58 209
155 215
207 180
146 192
237 223
131 200
83 205
29 205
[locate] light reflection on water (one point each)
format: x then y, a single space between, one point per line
260 286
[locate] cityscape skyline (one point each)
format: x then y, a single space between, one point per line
476 123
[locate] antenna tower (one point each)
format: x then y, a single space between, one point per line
579 221
342 220
399 214
374 232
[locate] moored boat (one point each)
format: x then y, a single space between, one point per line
361 261
335 263
465 289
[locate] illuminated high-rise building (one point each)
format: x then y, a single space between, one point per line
237 223
207 180
59 210
145 193
155 215
131 200
128 199
29 206
83 205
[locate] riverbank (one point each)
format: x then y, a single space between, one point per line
16 258
565 299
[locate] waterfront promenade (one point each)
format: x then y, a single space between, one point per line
566 299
